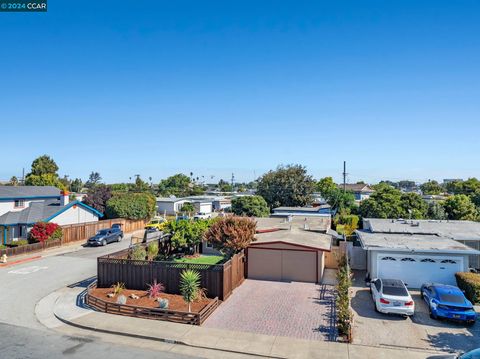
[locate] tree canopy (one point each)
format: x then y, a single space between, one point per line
286 186
335 196
431 187
460 207
44 173
179 185
231 234
93 179
250 206
98 196
131 206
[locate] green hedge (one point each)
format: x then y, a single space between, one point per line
470 284
131 206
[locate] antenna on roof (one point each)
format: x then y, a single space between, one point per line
345 176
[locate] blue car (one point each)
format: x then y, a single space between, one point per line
448 302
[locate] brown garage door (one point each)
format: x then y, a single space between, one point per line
282 265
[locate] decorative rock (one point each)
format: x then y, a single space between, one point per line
122 300
110 295
163 303
134 296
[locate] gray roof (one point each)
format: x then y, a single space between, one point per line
15 192
458 230
296 236
37 211
412 243
313 223
356 187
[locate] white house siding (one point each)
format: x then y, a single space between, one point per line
203 207
75 215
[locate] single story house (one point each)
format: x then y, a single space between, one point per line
361 191
414 258
318 211
169 206
16 224
465 232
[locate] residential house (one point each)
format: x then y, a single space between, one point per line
361 191
21 207
415 251
318 211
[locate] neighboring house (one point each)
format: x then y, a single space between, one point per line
169 206
361 191
416 254
203 204
39 204
465 232
433 198
221 204
318 211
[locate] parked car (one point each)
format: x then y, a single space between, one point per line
448 302
202 215
473 354
156 224
391 297
105 236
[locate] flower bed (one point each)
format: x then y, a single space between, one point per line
148 308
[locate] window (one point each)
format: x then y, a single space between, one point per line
448 261
396 291
378 285
19 203
388 259
208 245
408 259
427 260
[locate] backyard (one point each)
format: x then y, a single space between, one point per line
201 259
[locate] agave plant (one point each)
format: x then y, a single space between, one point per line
189 286
155 289
118 288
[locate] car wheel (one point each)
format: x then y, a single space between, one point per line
470 323
104 242
119 238
421 294
433 316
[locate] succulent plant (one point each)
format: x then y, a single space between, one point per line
122 299
163 303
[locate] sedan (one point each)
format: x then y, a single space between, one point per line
105 236
392 297
448 302
474 354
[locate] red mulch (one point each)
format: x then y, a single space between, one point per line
176 301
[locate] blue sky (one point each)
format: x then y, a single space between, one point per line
215 87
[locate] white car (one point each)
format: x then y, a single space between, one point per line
391 297
202 215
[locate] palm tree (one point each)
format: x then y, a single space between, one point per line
189 286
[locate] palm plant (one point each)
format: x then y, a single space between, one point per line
189 286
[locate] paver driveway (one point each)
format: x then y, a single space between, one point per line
292 309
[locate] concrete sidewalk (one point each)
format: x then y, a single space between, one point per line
66 306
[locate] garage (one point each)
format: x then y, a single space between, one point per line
288 255
415 259
416 270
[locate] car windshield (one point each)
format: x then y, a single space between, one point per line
102 232
397 291
452 298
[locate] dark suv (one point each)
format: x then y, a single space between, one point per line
105 236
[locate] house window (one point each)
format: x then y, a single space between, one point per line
208 245
388 259
449 261
19 203
427 260
408 259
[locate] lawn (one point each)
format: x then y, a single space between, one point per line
203 259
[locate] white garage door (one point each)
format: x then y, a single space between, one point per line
282 265
416 270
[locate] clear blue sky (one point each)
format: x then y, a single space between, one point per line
159 87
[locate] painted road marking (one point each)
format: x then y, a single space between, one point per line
27 270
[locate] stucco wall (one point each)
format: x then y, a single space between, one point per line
75 215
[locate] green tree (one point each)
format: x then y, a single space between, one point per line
189 286
250 206
43 165
413 205
98 196
188 207
286 186
224 186
460 207
76 185
141 185
131 206
431 187
385 202
436 211
325 186
93 179
179 185
186 233
13 181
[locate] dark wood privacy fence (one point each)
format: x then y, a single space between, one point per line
219 280
151 313
28 248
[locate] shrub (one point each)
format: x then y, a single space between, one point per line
44 231
122 300
131 206
118 288
187 233
155 289
231 234
189 286
344 315
470 284
163 303
152 250
20 242
138 253
250 206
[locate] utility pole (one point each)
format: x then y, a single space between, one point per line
233 182
23 176
345 176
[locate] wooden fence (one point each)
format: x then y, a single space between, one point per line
151 313
83 231
219 280
331 257
74 233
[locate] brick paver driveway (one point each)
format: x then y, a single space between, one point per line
292 309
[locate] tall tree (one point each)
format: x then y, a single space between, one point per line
413 205
286 186
460 207
385 202
13 181
179 185
93 179
44 173
335 196
250 206
436 211
76 185
431 187
98 196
